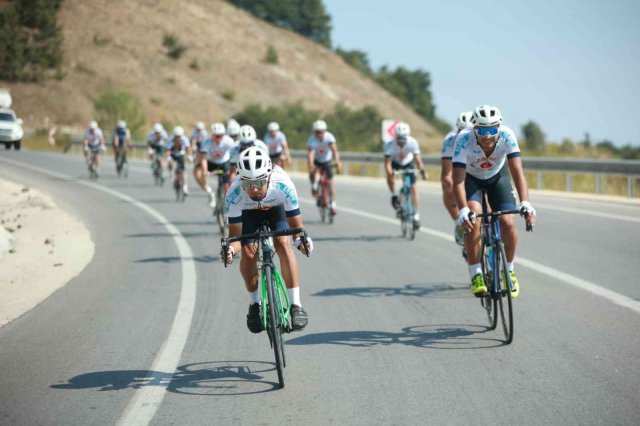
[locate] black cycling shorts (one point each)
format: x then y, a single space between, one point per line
159 149
179 159
225 167
252 219
328 169
411 165
498 188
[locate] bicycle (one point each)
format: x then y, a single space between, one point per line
407 210
156 168
178 181
94 169
122 165
275 312
218 210
323 200
495 271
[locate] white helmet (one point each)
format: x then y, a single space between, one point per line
122 124
217 129
486 116
253 163
464 120
233 128
200 125
273 127
319 126
93 125
232 120
178 131
158 127
402 130
247 134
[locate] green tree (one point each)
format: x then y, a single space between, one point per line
534 139
112 106
358 59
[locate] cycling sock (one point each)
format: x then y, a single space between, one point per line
209 190
333 204
294 296
510 266
255 296
416 216
475 269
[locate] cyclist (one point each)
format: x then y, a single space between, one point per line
446 176
248 138
233 131
198 135
156 142
482 159
403 153
322 149
214 154
93 140
177 146
277 143
265 193
121 141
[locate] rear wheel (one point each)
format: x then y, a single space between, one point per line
504 301
219 210
328 205
275 331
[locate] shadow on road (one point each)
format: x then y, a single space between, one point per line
166 234
431 290
362 238
187 222
445 336
175 259
217 378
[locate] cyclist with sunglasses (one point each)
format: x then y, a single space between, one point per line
260 193
321 151
214 154
483 158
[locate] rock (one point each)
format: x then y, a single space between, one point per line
47 241
57 264
25 189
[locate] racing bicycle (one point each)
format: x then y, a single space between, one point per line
94 168
122 165
275 300
156 168
407 210
323 200
178 181
218 210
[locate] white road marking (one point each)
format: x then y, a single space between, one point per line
587 212
147 399
612 296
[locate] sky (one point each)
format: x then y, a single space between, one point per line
572 66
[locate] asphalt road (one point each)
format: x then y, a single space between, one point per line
395 336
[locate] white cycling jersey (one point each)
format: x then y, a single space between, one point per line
469 155
281 191
235 151
158 139
275 143
448 145
199 135
322 147
178 145
218 153
93 139
404 154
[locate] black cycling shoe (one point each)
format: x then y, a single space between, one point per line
254 318
416 225
395 202
299 318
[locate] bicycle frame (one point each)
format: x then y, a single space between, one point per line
282 298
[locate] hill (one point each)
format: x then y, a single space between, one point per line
118 44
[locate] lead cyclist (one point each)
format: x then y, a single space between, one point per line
482 159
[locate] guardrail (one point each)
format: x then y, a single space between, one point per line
617 177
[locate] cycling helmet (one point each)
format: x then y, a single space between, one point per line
122 124
233 128
402 130
200 125
217 129
93 125
486 116
254 163
178 131
319 126
247 134
464 120
158 127
273 127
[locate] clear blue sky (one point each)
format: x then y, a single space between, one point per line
572 66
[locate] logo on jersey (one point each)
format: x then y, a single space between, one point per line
288 193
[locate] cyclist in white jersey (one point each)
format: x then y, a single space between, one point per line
480 161
156 143
198 135
321 151
214 154
178 147
260 193
277 143
93 141
403 152
233 131
446 174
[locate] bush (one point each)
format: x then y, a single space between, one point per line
272 56
175 49
534 139
228 95
112 106
195 65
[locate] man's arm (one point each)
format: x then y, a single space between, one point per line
389 170
336 155
311 153
459 175
517 174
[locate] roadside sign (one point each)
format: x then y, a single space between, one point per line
389 130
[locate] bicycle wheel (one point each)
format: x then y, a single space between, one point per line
403 222
506 308
328 204
219 210
488 302
412 214
275 331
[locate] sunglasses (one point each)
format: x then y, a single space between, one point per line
254 184
486 131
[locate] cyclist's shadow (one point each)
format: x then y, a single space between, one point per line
217 378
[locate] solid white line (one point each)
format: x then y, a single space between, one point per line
612 296
583 212
147 399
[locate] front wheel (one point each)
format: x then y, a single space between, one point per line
488 302
273 324
505 303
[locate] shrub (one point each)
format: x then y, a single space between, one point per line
195 65
271 56
175 49
228 95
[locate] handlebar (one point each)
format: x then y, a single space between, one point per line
403 171
225 242
499 213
